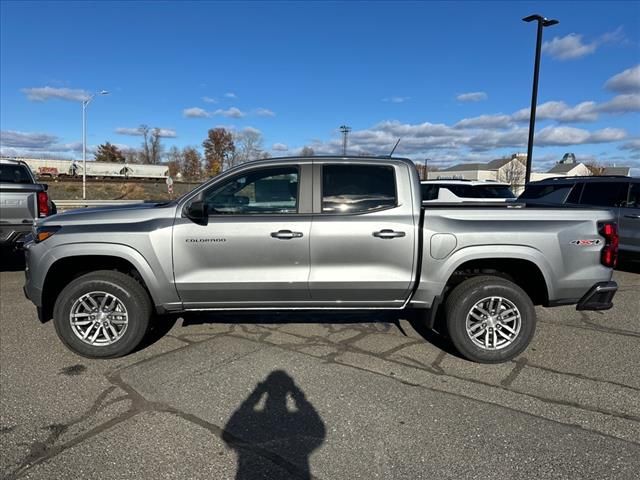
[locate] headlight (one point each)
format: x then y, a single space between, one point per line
40 234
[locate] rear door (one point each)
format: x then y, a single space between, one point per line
362 235
629 220
254 251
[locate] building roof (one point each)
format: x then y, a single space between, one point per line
563 167
465 167
616 171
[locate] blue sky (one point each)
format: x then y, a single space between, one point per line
449 78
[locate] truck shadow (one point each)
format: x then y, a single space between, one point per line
274 431
379 322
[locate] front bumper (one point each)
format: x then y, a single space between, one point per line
599 297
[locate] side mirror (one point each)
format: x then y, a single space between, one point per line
197 211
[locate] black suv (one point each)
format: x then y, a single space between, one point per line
620 194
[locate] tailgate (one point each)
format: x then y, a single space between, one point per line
18 203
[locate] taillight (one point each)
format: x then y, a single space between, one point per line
43 204
609 254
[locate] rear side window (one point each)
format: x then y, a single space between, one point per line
357 188
547 193
14 174
634 196
604 194
429 192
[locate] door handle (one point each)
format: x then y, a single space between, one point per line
286 234
388 234
632 216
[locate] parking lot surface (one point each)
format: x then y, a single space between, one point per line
306 395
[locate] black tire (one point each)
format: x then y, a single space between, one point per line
463 298
127 290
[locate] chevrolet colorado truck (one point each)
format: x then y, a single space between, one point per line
22 201
318 233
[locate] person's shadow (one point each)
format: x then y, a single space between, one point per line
274 431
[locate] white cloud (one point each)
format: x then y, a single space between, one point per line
232 112
279 147
264 112
209 100
560 111
230 95
485 121
195 112
11 138
631 145
396 99
41 94
571 46
136 132
472 97
621 104
627 81
568 47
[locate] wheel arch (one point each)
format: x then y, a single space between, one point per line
63 269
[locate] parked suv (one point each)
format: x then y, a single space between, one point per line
465 191
619 193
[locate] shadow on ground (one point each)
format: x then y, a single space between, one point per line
274 431
385 320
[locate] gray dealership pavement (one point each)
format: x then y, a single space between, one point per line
322 396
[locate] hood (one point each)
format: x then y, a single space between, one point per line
131 213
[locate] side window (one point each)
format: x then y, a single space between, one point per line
604 194
357 188
574 196
429 192
546 193
264 191
634 196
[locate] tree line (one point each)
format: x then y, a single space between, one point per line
222 148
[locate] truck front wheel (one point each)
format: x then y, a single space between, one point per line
103 314
490 319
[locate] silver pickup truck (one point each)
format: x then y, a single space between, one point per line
22 201
318 233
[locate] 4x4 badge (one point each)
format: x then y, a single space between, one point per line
586 243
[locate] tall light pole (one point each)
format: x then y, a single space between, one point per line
345 135
85 103
542 22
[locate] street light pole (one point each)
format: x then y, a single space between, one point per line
85 103
542 22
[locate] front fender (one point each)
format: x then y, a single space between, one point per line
161 289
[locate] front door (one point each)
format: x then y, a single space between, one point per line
254 250
362 236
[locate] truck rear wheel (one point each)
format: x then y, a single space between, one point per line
490 319
103 314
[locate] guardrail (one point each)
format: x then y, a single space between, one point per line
63 205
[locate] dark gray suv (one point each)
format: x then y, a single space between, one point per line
619 193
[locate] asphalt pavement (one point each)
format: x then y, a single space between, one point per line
332 396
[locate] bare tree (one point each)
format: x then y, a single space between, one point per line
307 152
513 173
175 161
132 155
146 151
595 168
155 147
219 150
248 146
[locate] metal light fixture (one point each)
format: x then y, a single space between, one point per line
542 22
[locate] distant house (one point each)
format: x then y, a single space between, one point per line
626 171
509 170
570 170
